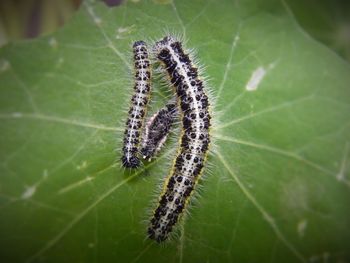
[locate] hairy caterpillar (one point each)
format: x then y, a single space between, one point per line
138 108
194 142
157 129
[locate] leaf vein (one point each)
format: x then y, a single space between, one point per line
269 219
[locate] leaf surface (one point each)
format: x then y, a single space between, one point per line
277 183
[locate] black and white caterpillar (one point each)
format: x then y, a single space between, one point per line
138 107
194 142
157 129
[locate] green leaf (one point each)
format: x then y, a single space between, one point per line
328 23
277 184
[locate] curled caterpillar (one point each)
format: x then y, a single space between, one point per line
194 142
138 108
157 129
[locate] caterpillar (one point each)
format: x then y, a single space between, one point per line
157 129
138 108
194 143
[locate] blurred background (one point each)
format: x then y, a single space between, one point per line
326 20
21 19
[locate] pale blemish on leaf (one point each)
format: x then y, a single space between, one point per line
59 62
257 76
97 20
29 192
124 32
294 197
255 79
82 166
45 174
4 65
53 42
301 227
342 170
17 115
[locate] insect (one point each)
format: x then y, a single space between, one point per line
138 107
195 138
157 129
